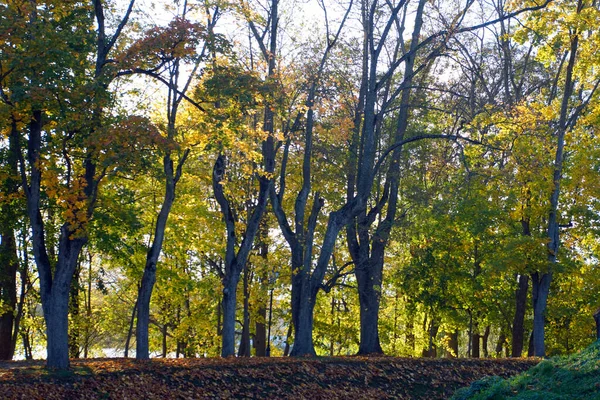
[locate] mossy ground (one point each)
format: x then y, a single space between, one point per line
571 377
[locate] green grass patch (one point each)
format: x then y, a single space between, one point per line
571 377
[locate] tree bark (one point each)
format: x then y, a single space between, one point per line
431 350
130 331
484 341
475 344
303 325
453 344
260 327
75 326
369 281
229 309
500 344
540 291
244 349
8 287
9 262
164 331
518 328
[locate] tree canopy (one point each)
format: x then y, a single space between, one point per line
203 178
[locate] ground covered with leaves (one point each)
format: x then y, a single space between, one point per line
321 378
574 377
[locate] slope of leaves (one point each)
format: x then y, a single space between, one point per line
569 377
324 378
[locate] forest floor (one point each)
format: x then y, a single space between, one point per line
254 378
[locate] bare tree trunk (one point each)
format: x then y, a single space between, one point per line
244 349
500 344
229 309
530 352
518 328
484 341
475 343
75 327
164 332
260 327
540 291
8 289
288 336
130 331
369 279
88 309
9 262
453 343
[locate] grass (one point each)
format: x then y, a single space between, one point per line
571 377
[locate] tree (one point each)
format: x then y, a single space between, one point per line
306 281
181 38
48 105
573 76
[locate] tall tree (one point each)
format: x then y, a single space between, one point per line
9 261
306 281
182 39
72 86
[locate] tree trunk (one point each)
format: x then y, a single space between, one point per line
518 329
164 332
27 346
288 336
56 312
369 295
260 327
260 335
9 262
88 309
484 341
8 289
75 326
453 344
500 344
244 349
142 351
303 328
540 291
303 303
229 309
130 331
530 351
149 277
475 343
431 350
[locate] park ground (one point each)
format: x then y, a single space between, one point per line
235 378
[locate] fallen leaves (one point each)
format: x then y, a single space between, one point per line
320 378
